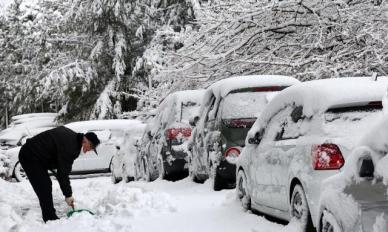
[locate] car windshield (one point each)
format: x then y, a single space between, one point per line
350 121
188 110
244 105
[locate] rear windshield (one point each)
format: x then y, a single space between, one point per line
189 109
244 105
351 121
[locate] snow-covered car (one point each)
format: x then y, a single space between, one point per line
356 200
109 132
229 109
37 119
21 126
10 161
163 147
123 161
301 138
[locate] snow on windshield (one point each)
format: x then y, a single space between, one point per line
349 123
243 105
189 109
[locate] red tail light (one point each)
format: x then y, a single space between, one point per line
327 156
173 133
232 152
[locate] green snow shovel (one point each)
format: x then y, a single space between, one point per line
75 211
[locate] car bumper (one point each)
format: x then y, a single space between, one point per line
374 216
175 161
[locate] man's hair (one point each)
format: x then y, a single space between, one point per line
93 139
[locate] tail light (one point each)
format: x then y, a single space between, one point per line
173 133
231 154
327 156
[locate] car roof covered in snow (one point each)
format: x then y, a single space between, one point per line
113 124
18 133
34 115
318 96
225 86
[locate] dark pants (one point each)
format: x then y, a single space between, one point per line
38 176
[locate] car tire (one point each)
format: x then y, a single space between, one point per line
218 181
242 190
329 223
300 210
161 171
19 173
114 178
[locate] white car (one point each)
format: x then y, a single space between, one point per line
163 146
356 200
109 132
23 125
123 161
228 110
13 140
302 137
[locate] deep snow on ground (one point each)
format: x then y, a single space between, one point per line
136 206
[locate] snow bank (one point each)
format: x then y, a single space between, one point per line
136 206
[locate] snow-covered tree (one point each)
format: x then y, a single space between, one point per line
308 39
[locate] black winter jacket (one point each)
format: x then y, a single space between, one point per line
57 149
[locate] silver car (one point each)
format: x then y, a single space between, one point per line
301 138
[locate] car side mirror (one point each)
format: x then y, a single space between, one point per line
256 139
193 121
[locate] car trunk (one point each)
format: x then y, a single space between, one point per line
345 125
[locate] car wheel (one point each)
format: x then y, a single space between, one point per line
114 178
300 209
242 190
162 173
329 223
218 181
19 173
129 179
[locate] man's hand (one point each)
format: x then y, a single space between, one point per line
70 201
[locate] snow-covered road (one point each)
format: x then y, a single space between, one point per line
136 206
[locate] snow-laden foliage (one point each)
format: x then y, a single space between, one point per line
150 48
63 55
306 39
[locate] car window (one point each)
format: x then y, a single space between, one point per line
211 113
350 121
188 109
244 104
294 124
274 127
